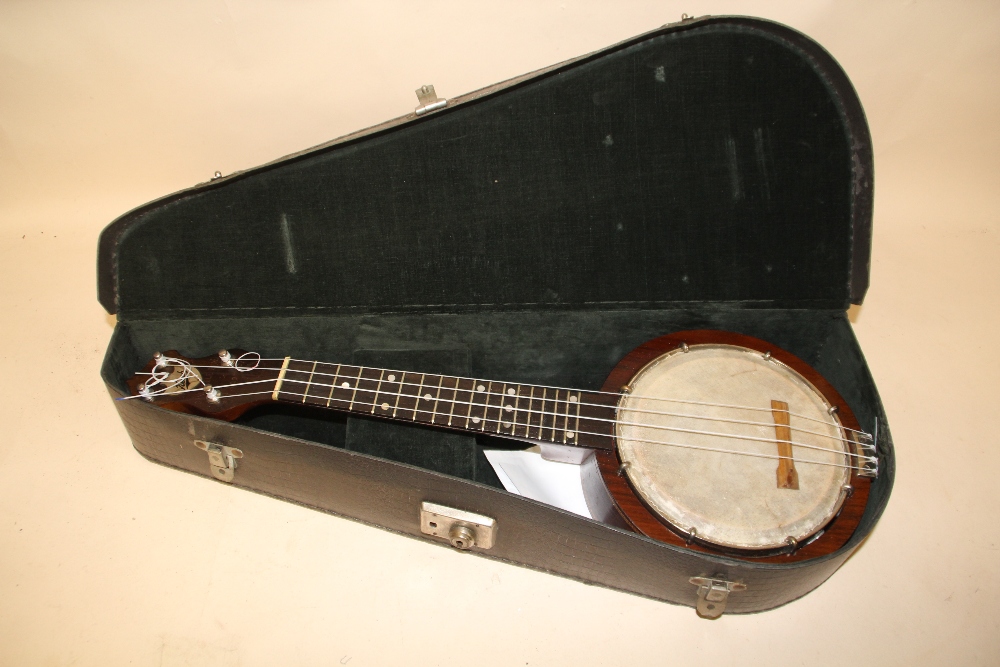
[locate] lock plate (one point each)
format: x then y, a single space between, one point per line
463 529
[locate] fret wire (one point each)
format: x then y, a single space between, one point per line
541 416
454 402
416 403
472 393
437 399
306 394
531 403
357 383
566 418
336 377
517 401
578 403
503 397
555 416
503 408
486 404
472 398
399 394
378 387
500 407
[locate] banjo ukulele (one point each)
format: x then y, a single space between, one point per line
712 441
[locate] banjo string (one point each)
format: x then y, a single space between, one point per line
610 394
719 450
557 415
856 432
846 452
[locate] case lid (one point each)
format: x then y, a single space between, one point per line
715 160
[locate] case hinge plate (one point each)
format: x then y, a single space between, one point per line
713 593
463 529
221 459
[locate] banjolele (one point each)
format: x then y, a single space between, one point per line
709 440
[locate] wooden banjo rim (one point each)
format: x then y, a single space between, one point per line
641 518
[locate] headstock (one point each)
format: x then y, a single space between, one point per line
223 385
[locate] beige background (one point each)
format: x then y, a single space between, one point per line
106 559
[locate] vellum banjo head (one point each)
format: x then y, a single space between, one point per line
711 398
727 442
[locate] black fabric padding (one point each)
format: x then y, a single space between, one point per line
705 165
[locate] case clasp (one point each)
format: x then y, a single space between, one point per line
221 459
713 593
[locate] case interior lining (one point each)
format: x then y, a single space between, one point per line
712 164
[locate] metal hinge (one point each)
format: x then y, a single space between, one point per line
463 529
429 101
713 593
221 459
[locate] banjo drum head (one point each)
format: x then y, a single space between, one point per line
700 446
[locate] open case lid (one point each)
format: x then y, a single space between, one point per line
720 160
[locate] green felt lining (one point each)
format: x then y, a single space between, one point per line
711 163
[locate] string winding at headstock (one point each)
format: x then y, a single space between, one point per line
223 385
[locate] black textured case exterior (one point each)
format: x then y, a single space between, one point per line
387 494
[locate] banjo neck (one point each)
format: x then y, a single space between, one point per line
535 413
227 385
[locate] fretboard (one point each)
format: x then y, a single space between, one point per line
524 411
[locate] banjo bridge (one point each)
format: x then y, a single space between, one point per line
788 478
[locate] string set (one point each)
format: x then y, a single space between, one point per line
162 375
861 435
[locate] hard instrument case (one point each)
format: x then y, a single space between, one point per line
715 173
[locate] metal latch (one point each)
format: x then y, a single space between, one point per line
463 529
713 594
428 99
221 459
